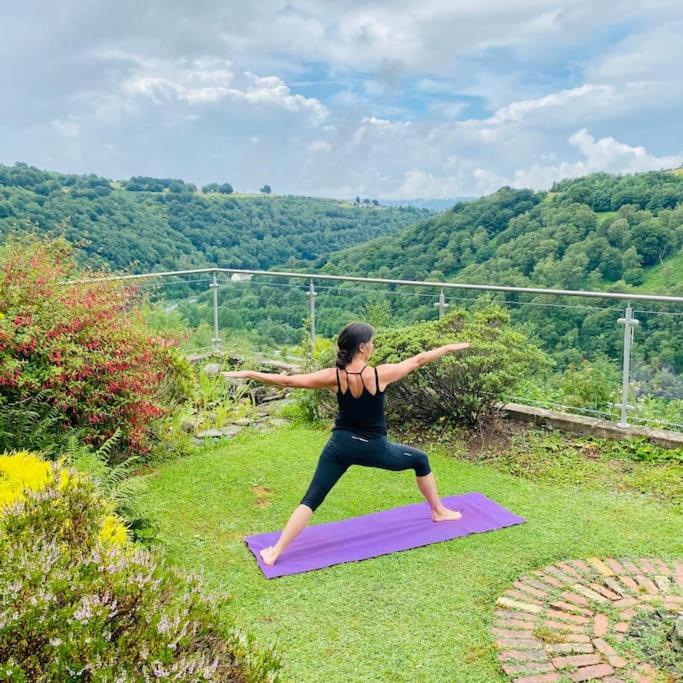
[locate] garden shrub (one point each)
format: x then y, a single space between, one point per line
464 386
590 384
78 601
82 349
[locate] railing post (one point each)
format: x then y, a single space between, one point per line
311 311
441 304
216 339
629 324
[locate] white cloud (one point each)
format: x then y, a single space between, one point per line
605 154
319 146
445 159
436 86
654 54
200 82
449 110
426 38
417 183
518 111
272 90
203 82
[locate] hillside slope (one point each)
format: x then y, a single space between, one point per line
597 232
176 227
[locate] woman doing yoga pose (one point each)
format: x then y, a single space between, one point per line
359 435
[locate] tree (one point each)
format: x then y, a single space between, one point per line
619 233
225 188
375 202
631 265
265 189
653 241
357 200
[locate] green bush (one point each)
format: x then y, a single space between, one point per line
590 384
74 607
640 448
465 386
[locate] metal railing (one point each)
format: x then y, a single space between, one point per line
628 321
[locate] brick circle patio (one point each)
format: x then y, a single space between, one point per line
565 622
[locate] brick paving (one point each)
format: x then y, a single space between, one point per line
566 622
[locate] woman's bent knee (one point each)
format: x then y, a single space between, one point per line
422 467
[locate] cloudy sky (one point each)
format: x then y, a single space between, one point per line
400 99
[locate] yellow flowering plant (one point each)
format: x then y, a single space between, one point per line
23 472
76 596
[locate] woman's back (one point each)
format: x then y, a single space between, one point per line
361 408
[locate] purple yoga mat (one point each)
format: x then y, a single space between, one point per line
379 533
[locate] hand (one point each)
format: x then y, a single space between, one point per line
236 373
458 346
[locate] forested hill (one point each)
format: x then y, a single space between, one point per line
596 232
148 224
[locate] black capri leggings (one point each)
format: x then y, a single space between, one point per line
345 448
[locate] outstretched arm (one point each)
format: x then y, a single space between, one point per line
392 372
313 380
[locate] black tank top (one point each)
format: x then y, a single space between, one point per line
363 415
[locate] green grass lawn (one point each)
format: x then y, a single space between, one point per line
418 615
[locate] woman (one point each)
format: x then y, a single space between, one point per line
359 433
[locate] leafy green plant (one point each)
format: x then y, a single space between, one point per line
462 387
658 412
642 449
113 482
217 400
650 639
26 424
590 384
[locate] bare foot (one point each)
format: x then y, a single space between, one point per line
268 555
445 514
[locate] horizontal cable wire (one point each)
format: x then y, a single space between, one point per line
173 282
388 292
673 313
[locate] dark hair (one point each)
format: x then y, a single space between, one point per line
350 338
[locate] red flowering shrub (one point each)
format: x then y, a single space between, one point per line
82 348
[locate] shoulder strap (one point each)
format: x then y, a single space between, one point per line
338 385
361 377
376 379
